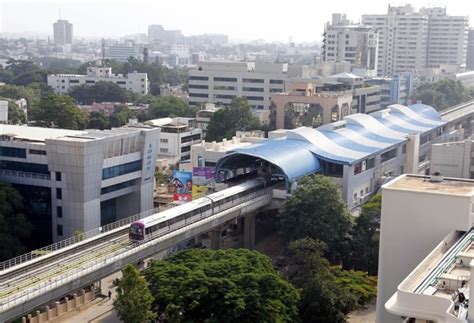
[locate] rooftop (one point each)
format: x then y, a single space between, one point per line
418 183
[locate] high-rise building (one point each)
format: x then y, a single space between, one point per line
353 43
122 52
470 50
79 180
62 32
156 33
410 41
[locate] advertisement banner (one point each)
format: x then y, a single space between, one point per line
203 175
182 186
199 191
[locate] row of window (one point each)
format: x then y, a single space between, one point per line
123 169
190 138
117 187
24 167
228 79
12 152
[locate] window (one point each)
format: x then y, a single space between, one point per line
388 155
12 152
122 169
73 81
164 141
223 96
185 149
254 98
190 138
117 187
199 78
121 82
198 95
253 80
59 230
225 79
59 193
225 88
24 167
90 82
59 211
197 86
276 81
58 176
37 152
253 89
163 150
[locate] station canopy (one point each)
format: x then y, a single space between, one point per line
357 137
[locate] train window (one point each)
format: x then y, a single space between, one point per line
147 230
161 225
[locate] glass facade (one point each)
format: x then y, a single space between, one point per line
117 187
37 202
24 167
12 152
108 211
123 169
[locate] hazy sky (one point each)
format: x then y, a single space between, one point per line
240 19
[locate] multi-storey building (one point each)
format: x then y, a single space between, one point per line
454 159
122 52
220 82
470 50
411 41
425 259
79 180
177 137
155 33
396 89
62 32
345 41
135 82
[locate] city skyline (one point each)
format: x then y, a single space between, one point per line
196 18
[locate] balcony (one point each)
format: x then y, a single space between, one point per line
13 173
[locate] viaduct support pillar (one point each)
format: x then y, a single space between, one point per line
249 231
216 239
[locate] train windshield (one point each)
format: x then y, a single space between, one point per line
135 229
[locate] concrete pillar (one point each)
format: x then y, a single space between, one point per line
412 154
215 237
29 318
249 231
74 300
23 319
38 317
48 313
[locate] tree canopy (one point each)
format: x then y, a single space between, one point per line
134 300
226 121
15 114
365 237
234 285
169 106
58 111
14 226
99 92
328 293
316 210
443 94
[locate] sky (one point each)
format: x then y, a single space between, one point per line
242 20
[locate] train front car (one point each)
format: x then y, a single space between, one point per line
136 231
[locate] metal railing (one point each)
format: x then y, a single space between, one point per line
79 272
75 239
24 174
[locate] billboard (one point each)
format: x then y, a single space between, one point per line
182 186
203 175
199 191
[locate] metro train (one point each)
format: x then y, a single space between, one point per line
193 211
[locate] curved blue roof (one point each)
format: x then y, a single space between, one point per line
293 156
357 137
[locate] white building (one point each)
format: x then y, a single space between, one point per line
203 117
410 41
135 82
62 32
453 159
419 212
122 52
79 180
177 137
220 82
346 41
470 50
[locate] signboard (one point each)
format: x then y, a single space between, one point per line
199 191
203 175
182 186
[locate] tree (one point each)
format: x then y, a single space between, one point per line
58 111
328 293
15 114
225 122
97 120
443 94
234 285
169 106
99 92
317 210
14 226
365 237
134 300
120 116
